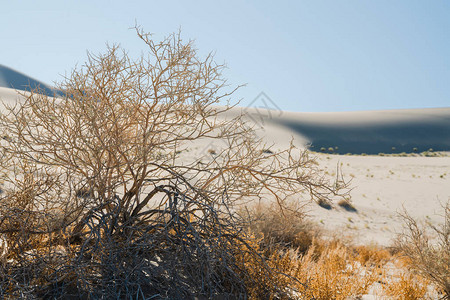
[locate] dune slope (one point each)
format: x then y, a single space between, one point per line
373 132
10 78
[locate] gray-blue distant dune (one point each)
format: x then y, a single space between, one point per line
373 132
10 78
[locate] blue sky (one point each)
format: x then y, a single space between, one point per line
305 55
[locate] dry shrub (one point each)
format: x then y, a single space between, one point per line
335 273
329 270
372 255
324 204
307 265
406 286
99 201
347 205
282 229
428 248
261 278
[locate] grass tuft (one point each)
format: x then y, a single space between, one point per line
345 204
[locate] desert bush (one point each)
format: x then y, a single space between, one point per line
406 286
428 248
372 255
99 201
324 203
329 270
281 230
347 205
319 268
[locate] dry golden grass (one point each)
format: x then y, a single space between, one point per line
335 273
406 286
427 246
309 267
315 268
333 270
282 229
372 255
261 281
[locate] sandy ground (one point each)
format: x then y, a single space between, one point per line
382 186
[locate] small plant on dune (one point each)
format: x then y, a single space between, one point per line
347 205
324 203
372 255
282 230
406 286
328 270
332 271
99 202
428 248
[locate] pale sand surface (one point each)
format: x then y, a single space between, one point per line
382 186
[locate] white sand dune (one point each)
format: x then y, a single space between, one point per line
10 78
373 132
382 185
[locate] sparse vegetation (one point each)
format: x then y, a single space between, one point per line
324 203
336 270
347 205
402 154
282 230
267 151
406 286
428 248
